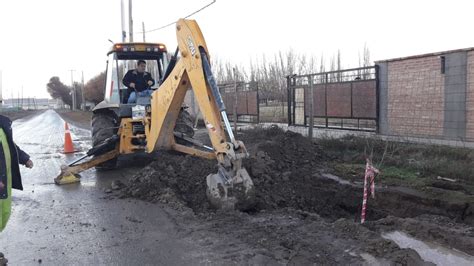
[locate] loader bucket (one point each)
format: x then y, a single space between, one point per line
226 191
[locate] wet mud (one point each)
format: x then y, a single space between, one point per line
302 214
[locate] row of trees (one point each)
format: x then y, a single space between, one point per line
93 90
271 72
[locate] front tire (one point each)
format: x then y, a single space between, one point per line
104 126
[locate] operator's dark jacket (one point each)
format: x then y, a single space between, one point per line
16 154
140 80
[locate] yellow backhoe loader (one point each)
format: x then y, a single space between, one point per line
156 122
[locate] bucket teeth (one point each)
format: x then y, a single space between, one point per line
226 191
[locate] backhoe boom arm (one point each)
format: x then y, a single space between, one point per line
193 71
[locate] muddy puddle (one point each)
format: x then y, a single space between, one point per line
430 252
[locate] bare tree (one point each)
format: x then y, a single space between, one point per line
332 69
364 61
78 90
339 67
271 71
366 56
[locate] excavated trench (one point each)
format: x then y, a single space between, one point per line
289 171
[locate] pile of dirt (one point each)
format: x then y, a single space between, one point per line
285 169
288 171
173 178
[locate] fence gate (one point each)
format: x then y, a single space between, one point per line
243 99
345 99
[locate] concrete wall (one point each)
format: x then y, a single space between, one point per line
470 97
383 99
455 96
417 99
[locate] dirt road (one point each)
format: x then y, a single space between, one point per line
160 214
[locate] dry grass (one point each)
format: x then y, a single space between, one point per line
18 114
405 160
80 119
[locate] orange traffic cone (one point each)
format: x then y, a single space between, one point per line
68 146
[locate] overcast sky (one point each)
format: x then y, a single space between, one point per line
41 39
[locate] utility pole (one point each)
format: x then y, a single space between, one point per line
83 103
311 102
235 100
122 11
73 90
143 30
130 21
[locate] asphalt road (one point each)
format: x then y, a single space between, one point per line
77 224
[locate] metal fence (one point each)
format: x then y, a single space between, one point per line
241 101
345 99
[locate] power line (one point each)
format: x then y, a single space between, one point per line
174 22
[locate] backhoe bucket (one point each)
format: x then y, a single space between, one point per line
66 177
70 173
225 191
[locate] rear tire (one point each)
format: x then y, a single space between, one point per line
104 126
184 123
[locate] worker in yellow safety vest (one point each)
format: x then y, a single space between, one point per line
10 158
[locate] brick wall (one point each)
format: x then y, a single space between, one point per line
470 97
416 97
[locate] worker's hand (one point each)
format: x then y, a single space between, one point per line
132 85
29 164
1 185
150 83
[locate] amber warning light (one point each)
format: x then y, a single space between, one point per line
139 48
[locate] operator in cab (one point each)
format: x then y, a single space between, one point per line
138 82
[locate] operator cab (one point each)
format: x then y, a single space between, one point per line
123 57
